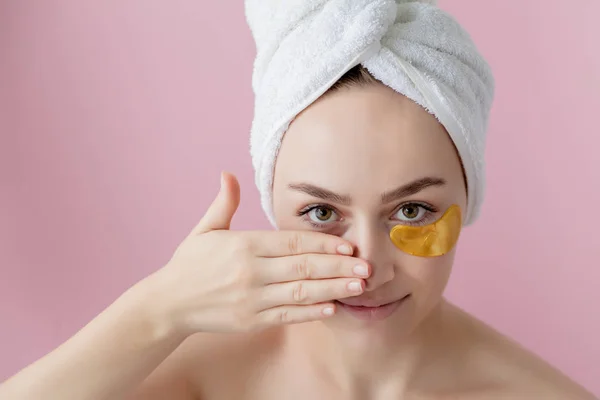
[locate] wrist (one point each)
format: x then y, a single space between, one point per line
152 307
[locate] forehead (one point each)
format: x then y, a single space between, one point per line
365 134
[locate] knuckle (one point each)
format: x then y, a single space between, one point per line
299 293
284 317
295 243
322 247
302 268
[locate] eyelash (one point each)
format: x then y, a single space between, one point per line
431 210
303 213
427 218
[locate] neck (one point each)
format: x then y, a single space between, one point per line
373 360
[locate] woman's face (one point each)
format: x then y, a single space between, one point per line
358 162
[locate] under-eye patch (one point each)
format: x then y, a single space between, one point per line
431 240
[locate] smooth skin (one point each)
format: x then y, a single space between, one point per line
241 315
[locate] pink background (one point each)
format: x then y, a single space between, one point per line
116 118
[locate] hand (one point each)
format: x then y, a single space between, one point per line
228 281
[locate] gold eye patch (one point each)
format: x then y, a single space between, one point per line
431 240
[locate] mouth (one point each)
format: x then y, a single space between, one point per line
369 310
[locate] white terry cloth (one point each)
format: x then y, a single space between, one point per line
414 47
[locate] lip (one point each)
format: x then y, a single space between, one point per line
371 311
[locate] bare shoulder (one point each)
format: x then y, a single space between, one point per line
228 365
212 366
512 371
529 376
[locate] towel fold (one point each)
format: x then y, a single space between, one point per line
305 46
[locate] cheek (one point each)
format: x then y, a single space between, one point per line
428 276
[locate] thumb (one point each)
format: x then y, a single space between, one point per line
221 211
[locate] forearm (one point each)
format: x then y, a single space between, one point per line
107 359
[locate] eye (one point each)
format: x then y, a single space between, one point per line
321 214
413 213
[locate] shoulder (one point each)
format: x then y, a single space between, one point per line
212 366
220 351
526 375
217 365
510 370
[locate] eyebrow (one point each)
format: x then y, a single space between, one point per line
387 197
321 193
411 188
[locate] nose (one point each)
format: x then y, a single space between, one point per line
372 244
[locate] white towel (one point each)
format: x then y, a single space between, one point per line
305 46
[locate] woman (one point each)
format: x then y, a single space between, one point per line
339 303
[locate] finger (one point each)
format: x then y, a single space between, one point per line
221 211
286 243
296 314
309 292
309 267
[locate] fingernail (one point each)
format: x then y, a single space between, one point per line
328 311
361 270
222 179
355 286
345 249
